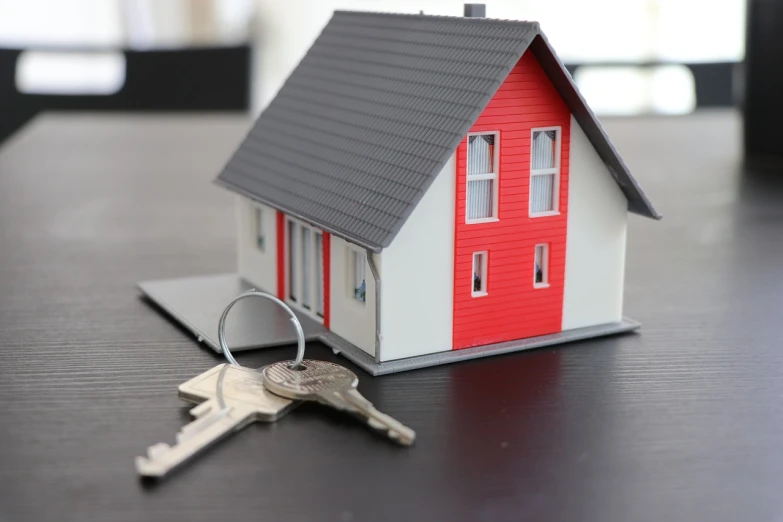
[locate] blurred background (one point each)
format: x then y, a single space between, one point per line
628 56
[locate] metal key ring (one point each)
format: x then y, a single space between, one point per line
256 293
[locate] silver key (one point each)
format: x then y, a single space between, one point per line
335 386
231 397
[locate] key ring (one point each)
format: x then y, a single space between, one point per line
256 293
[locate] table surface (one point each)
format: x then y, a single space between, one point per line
682 421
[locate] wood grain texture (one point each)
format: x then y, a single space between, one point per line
680 422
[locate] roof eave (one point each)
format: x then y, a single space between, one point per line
638 202
323 226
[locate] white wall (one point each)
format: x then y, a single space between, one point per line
350 319
417 283
256 266
595 245
116 23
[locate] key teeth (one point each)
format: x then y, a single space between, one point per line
205 414
149 466
156 450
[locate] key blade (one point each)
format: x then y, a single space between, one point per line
335 386
394 429
377 420
195 437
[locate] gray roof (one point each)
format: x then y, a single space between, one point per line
368 118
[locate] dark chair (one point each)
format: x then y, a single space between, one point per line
715 81
190 79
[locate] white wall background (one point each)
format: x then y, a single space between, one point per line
350 319
595 245
417 283
582 31
140 23
257 266
668 29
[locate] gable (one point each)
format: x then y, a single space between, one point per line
371 114
527 100
561 79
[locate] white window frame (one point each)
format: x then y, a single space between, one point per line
544 265
297 275
485 254
350 277
556 171
258 227
494 175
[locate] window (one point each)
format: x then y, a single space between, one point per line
305 267
307 262
541 267
544 171
319 274
260 236
479 274
482 177
293 255
357 280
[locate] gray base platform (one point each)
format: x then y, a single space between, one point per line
198 302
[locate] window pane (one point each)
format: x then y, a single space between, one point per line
292 252
481 154
260 228
539 275
306 266
359 284
544 149
319 274
542 192
477 282
480 199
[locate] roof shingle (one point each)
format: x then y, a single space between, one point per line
368 118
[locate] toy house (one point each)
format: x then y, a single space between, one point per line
427 189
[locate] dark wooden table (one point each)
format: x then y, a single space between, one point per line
683 421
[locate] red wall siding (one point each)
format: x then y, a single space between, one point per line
513 309
280 255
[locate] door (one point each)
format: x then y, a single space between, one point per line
305 268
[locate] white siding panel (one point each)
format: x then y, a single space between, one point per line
259 267
417 283
595 245
350 319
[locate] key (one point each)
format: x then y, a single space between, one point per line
332 385
231 398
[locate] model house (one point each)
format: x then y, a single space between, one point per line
425 184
